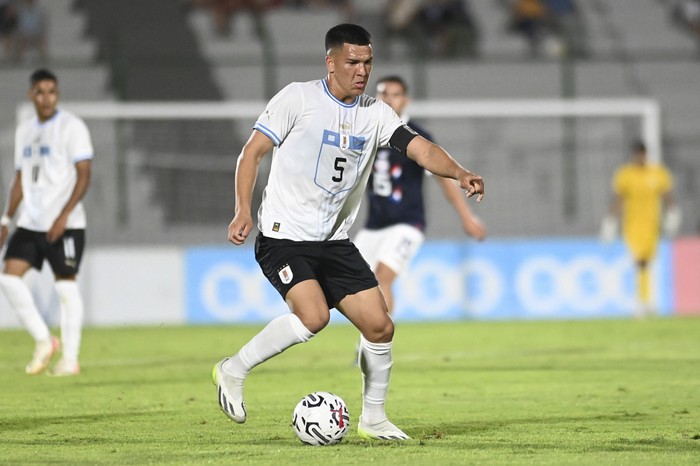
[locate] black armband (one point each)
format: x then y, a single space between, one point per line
401 137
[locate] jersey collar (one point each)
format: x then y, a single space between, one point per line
49 121
339 102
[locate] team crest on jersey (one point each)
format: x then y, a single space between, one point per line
286 274
345 130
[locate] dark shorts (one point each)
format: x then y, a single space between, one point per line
336 265
32 246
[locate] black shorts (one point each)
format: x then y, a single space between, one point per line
337 266
32 246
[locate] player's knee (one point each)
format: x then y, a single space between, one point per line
381 332
315 321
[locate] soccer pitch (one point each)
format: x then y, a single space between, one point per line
556 392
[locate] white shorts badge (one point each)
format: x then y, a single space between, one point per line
286 274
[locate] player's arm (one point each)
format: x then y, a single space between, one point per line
471 224
246 174
83 170
437 161
12 205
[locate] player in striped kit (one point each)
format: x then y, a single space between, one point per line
53 157
324 135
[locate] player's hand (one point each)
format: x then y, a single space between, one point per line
472 184
475 228
608 229
239 228
671 223
57 229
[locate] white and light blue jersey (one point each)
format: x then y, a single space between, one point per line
323 155
46 154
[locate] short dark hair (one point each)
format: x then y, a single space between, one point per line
638 146
347 33
42 74
393 78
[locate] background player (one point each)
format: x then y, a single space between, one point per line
325 134
394 230
639 190
53 154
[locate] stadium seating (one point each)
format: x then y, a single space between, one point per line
635 51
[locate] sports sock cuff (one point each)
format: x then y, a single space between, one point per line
300 329
375 348
66 287
7 279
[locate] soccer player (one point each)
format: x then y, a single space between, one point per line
325 134
394 229
53 154
640 190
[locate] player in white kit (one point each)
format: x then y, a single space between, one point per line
53 156
324 135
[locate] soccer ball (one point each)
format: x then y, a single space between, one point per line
321 418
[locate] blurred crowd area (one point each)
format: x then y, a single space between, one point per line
23 26
164 181
432 28
451 28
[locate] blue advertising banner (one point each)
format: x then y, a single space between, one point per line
225 284
545 279
526 280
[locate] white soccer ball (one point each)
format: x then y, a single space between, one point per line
321 418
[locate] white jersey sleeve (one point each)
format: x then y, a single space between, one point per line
391 123
78 141
281 113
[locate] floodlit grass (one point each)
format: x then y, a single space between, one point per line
561 392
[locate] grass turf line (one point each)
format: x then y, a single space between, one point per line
552 392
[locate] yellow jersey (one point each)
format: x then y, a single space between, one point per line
641 188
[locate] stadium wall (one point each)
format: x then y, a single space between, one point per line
494 280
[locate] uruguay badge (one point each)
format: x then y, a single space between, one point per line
286 274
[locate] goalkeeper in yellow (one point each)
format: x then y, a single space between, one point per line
642 198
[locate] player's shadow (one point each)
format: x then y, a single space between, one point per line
434 431
31 422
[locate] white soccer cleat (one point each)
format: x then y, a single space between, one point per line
383 430
64 368
230 393
43 352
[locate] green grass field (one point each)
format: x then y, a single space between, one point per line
561 392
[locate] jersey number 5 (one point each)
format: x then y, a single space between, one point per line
339 168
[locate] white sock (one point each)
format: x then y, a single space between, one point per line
375 363
71 317
20 298
281 333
